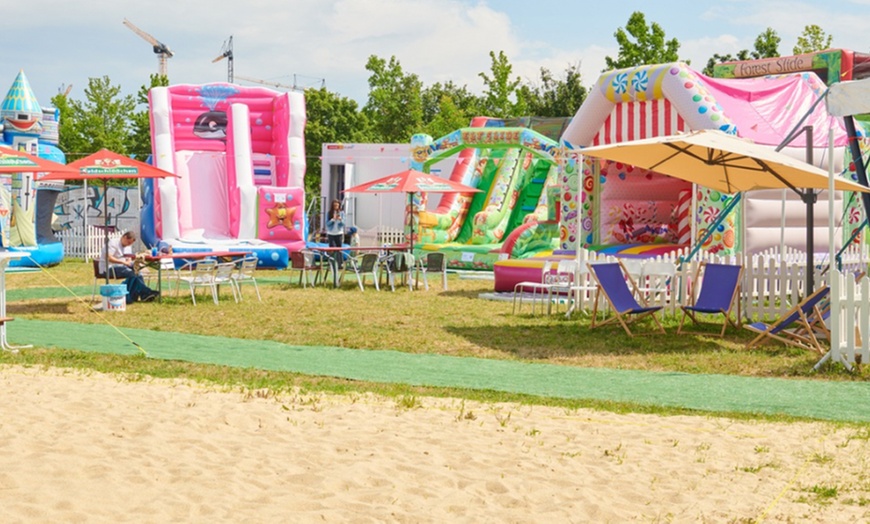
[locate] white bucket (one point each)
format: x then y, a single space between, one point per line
114 297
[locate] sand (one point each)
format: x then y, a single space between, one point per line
88 447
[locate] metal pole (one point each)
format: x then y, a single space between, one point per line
858 159
834 354
411 218
106 227
782 227
810 199
833 275
139 210
86 207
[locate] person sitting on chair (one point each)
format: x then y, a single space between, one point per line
121 266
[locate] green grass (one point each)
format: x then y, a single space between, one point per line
453 322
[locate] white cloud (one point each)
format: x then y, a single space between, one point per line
702 49
439 40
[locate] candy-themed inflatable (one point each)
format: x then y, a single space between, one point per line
26 205
623 205
239 153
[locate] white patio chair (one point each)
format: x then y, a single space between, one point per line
634 268
363 266
583 284
539 290
196 274
563 285
400 264
244 274
433 263
654 286
224 273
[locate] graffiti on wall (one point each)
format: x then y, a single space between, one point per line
121 203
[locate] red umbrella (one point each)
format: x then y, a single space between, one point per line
107 165
412 181
13 161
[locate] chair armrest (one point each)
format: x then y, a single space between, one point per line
187 266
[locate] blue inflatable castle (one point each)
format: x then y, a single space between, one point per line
26 206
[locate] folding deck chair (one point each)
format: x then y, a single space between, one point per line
720 291
807 315
614 287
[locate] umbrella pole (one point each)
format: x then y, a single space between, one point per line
411 218
809 196
106 227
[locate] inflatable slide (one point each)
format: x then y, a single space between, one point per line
240 156
513 167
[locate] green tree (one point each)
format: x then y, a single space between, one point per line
394 106
555 97
812 39
743 54
648 46
447 107
140 136
448 118
766 46
500 89
101 121
331 118
68 125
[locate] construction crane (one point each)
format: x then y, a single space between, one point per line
227 52
294 87
268 83
160 49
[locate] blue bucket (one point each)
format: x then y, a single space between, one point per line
114 297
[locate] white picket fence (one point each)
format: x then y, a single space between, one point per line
77 244
390 235
771 285
850 320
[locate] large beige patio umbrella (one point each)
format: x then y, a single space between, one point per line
725 163
720 161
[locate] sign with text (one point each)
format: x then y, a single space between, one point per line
773 66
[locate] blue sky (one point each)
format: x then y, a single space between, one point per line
60 42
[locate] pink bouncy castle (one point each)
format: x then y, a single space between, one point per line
239 153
